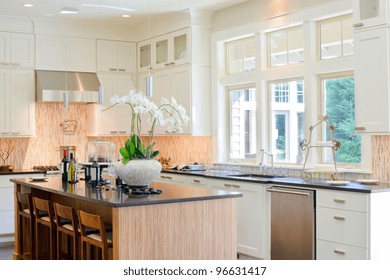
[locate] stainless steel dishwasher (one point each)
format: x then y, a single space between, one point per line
292 223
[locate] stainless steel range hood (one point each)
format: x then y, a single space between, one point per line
63 86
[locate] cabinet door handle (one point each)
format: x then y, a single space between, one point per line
337 200
122 131
162 177
149 67
112 69
360 128
339 218
356 25
196 181
122 70
172 63
168 177
340 252
236 186
113 132
167 64
227 185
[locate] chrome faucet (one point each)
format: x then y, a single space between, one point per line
261 164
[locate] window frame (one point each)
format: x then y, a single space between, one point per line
228 89
330 20
322 105
227 56
268 43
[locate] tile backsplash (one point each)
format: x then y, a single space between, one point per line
43 149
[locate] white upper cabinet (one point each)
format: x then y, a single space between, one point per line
65 53
16 50
370 13
117 120
190 86
116 56
164 51
372 81
17 106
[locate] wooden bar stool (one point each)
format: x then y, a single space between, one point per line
26 213
44 216
67 226
101 239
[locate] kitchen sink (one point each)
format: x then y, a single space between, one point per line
254 176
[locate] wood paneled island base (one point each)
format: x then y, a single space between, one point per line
181 223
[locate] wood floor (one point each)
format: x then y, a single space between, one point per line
7 249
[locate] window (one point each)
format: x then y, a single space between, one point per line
336 37
286 47
242 123
241 55
287 120
339 105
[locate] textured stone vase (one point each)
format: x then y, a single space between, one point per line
138 172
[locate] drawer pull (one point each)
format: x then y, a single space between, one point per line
162 177
337 200
236 186
196 181
168 177
339 218
340 252
112 69
360 128
356 25
227 185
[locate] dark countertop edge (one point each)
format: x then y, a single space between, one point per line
18 172
231 194
351 187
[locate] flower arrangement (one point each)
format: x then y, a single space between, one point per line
169 114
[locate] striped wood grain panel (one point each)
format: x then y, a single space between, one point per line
191 230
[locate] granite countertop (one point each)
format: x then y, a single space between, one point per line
109 196
289 181
23 171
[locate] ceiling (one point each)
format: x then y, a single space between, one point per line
108 11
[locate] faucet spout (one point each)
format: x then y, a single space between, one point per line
261 164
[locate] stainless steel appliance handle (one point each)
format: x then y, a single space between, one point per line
289 191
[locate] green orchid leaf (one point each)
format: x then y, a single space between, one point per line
124 152
154 154
132 149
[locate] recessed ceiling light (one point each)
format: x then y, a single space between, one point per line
125 16
69 10
28 5
108 7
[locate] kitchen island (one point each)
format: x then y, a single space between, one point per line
182 222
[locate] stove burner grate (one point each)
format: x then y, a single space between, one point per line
141 191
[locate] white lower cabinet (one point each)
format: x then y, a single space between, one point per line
165 177
7 224
343 226
251 232
197 181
